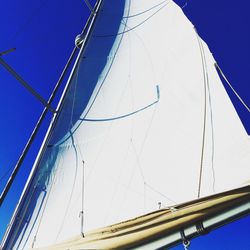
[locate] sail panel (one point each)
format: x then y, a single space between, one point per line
143 102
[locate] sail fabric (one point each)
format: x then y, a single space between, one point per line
145 124
159 224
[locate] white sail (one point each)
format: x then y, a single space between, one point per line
145 101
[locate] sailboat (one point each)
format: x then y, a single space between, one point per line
138 147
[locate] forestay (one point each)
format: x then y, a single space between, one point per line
144 102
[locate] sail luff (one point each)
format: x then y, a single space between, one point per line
88 26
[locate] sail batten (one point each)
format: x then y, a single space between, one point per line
134 113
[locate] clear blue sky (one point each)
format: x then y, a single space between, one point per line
43 34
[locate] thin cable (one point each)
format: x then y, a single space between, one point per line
205 79
26 85
158 192
232 88
89 6
211 117
36 129
82 208
145 11
136 26
49 133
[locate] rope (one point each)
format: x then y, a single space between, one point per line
205 79
232 88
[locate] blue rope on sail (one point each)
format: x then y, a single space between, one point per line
125 115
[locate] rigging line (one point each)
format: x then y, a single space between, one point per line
76 154
48 135
136 26
205 79
145 11
140 152
185 5
82 211
121 116
89 6
106 74
37 127
7 51
83 187
20 220
211 118
138 162
158 192
232 88
95 95
5 174
146 49
211 113
26 85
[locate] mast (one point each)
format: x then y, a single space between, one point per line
80 45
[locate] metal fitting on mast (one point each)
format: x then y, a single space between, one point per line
79 40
